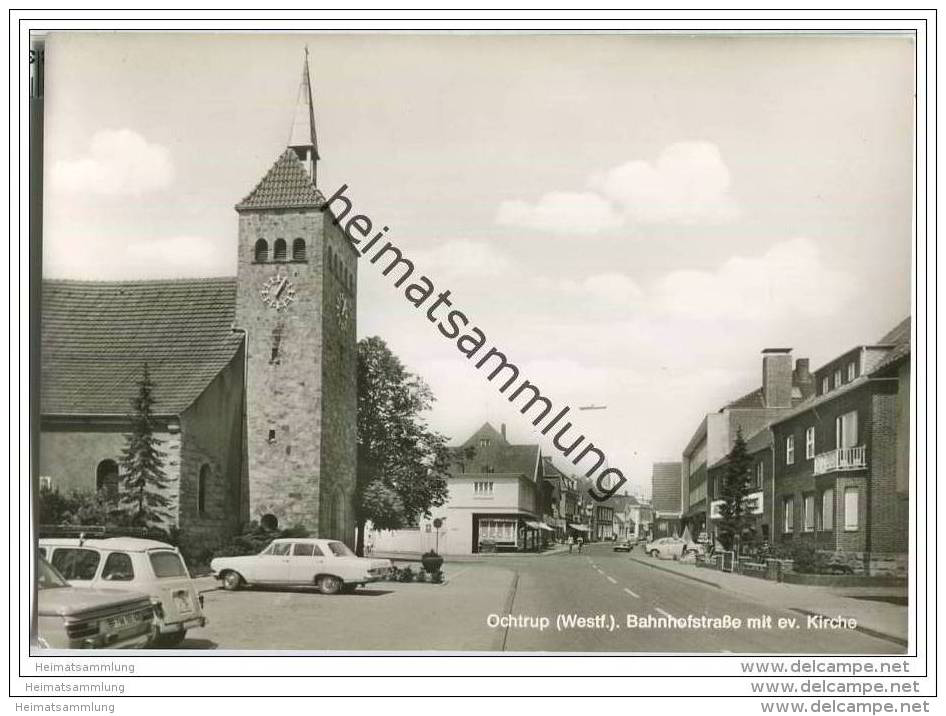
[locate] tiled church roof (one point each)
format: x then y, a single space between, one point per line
96 337
286 185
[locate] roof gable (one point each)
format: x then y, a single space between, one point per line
287 185
96 337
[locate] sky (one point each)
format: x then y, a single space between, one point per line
630 218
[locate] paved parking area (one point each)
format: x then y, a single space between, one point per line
381 616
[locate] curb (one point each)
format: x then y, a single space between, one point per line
900 641
678 574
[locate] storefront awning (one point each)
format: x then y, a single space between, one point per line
533 525
543 526
580 528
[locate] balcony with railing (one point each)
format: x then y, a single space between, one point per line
841 460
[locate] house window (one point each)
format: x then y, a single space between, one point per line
827 510
845 430
45 483
809 513
788 515
759 473
261 251
484 442
298 250
106 476
837 377
483 488
487 469
271 437
202 481
851 500
810 443
790 450
851 371
279 250
825 385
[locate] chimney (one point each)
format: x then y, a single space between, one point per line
802 379
502 430
777 377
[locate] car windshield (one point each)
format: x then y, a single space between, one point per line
167 564
47 577
340 549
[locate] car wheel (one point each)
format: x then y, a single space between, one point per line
329 585
232 581
169 641
654 553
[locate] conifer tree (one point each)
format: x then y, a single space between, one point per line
735 518
143 480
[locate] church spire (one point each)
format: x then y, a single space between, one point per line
302 139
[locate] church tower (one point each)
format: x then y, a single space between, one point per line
296 302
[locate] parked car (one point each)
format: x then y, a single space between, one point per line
133 564
72 618
625 546
672 548
328 564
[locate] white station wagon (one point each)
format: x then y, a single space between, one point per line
328 564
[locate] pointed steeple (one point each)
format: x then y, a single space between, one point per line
302 139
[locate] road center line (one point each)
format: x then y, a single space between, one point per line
636 596
663 613
612 579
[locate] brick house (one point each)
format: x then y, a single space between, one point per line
783 387
255 375
842 459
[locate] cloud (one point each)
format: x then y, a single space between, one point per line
119 162
611 288
461 258
179 257
561 213
790 279
688 183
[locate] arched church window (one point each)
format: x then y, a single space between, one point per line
106 476
261 251
279 250
298 250
202 480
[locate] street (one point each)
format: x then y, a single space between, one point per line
514 604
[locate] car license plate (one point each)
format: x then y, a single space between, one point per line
121 622
182 600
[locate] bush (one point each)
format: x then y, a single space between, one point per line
406 575
421 575
808 560
437 577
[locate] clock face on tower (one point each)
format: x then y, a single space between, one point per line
342 310
278 292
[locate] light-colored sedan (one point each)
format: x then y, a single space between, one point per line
672 548
327 564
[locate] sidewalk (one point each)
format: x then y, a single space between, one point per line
887 621
415 556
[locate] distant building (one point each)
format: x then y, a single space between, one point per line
666 500
842 459
497 497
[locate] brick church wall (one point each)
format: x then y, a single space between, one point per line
71 449
212 436
339 386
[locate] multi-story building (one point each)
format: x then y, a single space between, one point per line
842 459
665 495
640 518
782 388
496 496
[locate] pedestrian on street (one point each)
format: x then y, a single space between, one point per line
571 543
581 541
